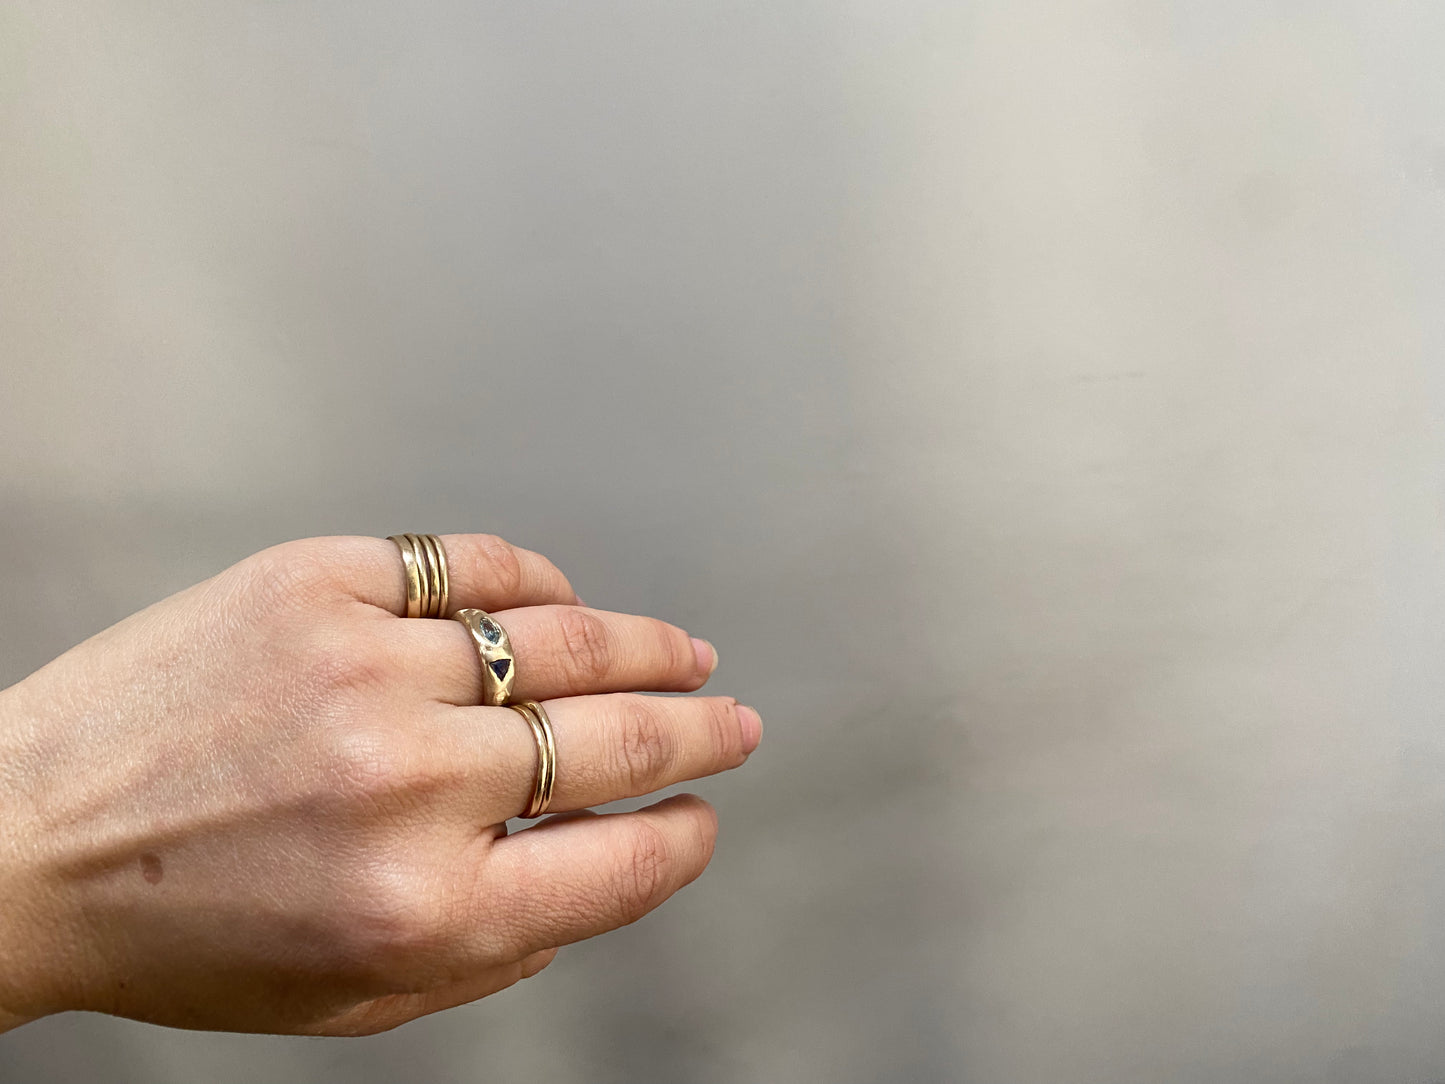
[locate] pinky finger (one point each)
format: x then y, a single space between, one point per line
569 878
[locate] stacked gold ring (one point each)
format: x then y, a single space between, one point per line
427 586
536 717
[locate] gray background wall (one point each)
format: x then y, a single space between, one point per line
1037 401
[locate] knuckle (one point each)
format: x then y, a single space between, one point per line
584 637
645 748
643 874
285 576
504 565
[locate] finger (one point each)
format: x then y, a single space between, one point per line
570 815
385 1013
565 651
610 746
564 881
483 571
570 650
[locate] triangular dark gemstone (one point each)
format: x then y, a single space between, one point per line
500 668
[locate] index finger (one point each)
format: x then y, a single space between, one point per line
484 572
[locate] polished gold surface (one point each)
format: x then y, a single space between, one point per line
413 574
499 668
549 779
443 581
426 561
428 588
534 802
541 725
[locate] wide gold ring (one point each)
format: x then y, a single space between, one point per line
499 668
425 564
536 717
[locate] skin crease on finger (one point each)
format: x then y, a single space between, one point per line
222 813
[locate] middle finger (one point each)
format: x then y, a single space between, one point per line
560 651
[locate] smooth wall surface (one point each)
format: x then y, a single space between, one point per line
1036 401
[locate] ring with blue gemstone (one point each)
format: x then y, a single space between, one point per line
499 668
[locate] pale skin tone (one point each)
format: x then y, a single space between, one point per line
270 803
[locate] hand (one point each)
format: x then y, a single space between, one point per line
268 803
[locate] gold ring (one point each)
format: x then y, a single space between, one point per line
536 717
425 564
499 668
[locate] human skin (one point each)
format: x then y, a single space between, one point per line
269 803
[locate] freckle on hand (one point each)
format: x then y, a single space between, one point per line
151 868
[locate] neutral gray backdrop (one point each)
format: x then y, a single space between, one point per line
1037 401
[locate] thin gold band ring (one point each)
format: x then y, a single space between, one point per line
536 717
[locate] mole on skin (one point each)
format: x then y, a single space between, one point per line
151 868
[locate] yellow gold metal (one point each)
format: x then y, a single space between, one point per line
428 588
536 717
549 777
413 574
535 802
444 587
494 646
427 563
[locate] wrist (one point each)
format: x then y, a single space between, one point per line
19 896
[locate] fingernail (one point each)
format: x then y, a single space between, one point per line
706 655
752 724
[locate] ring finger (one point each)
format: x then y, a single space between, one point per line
619 745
